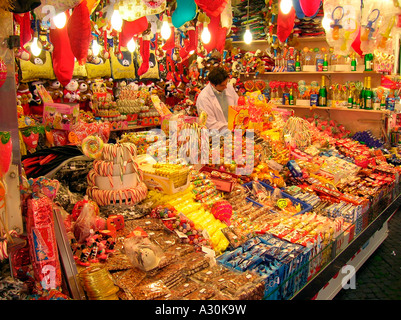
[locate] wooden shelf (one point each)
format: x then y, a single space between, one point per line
136 127
311 72
331 109
300 39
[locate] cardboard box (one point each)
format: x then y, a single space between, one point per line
60 115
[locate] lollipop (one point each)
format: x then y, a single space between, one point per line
92 147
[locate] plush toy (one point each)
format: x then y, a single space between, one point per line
109 89
55 90
85 94
71 91
24 96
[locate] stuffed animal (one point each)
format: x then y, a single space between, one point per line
85 94
24 96
71 91
109 89
55 90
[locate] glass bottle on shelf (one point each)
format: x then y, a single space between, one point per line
368 61
323 94
297 64
362 95
353 62
368 95
291 98
350 100
325 63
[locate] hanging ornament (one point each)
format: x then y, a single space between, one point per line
5 152
186 11
62 55
212 7
3 72
79 32
298 10
285 24
310 7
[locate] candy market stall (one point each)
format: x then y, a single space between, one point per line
127 196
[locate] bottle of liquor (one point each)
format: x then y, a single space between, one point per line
291 98
353 62
362 94
350 100
368 95
297 64
325 63
369 62
323 94
383 103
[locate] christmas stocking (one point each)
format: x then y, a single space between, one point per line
191 45
144 50
285 24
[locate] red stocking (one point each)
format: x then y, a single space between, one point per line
285 24
145 54
192 45
63 58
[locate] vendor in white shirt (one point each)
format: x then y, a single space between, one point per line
215 98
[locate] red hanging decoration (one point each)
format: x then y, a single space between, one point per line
285 24
132 28
218 35
62 56
212 7
310 7
79 32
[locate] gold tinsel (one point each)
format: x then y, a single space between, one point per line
98 284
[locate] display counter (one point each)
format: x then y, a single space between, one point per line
328 282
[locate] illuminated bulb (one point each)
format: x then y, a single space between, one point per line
247 36
116 21
326 22
205 36
35 49
95 48
131 45
165 30
60 20
285 6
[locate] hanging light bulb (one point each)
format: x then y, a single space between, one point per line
247 36
131 45
95 48
285 6
205 36
326 22
165 30
35 49
60 20
116 20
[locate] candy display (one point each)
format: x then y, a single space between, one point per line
119 166
116 177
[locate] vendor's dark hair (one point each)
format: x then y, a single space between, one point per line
217 75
